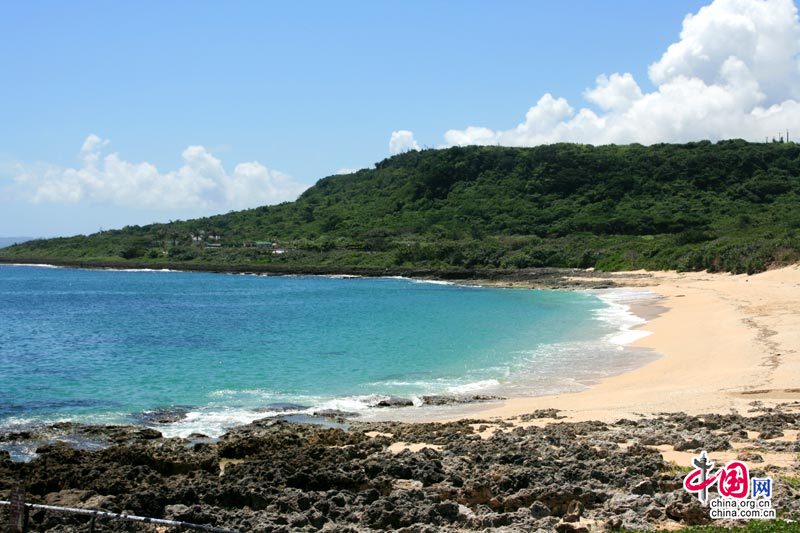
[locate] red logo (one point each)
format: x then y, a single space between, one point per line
733 480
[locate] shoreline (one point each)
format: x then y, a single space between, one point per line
541 278
726 341
536 474
747 351
633 308
432 403
585 461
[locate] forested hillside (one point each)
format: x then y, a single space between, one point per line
731 206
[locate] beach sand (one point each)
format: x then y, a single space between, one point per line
725 340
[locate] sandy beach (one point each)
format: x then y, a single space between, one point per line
725 341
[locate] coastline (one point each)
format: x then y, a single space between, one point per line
726 341
613 314
214 417
720 341
613 456
542 278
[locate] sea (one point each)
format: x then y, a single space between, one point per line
220 350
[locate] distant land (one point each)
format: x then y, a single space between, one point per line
8 241
726 206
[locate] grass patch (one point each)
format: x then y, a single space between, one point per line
792 481
754 526
674 468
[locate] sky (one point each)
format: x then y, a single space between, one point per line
119 113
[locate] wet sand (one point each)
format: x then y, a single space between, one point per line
725 340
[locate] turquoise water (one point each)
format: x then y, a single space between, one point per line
101 346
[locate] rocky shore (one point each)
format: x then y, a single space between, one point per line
532 472
544 278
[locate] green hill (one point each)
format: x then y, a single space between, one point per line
732 206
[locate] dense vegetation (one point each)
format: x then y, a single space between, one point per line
732 206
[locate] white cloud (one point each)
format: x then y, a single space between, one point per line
733 73
201 182
763 34
91 147
346 170
402 141
617 92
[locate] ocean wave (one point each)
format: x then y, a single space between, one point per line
211 422
542 370
618 313
19 423
35 265
261 394
628 336
417 280
444 385
432 281
141 270
214 420
108 269
435 282
474 386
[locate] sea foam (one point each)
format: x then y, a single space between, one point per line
618 313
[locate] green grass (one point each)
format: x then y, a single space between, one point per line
753 526
792 481
674 468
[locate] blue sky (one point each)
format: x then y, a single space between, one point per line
302 88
